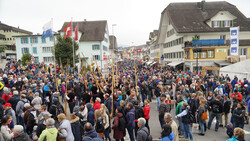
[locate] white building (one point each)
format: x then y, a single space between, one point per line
93 40
40 48
183 23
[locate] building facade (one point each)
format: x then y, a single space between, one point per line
205 25
40 48
93 40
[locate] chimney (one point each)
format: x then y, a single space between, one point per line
203 5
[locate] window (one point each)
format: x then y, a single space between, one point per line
47 49
96 57
25 50
50 38
33 40
48 59
43 40
105 48
196 55
242 51
204 54
24 40
34 50
95 47
210 53
228 23
215 24
105 39
223 37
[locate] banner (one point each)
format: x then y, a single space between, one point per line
234 36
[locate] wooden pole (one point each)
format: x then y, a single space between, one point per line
56 81
83 72
61 66
66 89
136 89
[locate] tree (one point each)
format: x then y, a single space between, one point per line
64 50
26 58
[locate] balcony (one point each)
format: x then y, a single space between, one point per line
210 42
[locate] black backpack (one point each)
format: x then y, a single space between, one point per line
138 112
99 127
149 137
122 124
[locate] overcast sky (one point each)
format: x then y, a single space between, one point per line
134 18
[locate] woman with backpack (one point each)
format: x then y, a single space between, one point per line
119 125
202 116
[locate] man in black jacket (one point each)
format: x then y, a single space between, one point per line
217 109
193 103
226 110
158 94
144 91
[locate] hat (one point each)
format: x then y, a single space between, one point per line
7 105
76 109
163 95
226 94
47 114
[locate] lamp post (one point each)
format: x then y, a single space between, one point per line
197 50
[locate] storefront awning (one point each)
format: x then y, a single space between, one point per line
222 63
175 63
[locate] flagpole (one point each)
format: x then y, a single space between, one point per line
73 43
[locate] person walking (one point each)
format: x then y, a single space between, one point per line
226 110
71 99
201 117
146 111
217 108
50 133
164 108
239 115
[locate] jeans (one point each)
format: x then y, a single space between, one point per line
63 97
217 115
143 96
158 102
136 129
240 125
187 131
106 134
131 133
181 130
202 125
162 121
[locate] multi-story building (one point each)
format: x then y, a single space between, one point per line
113 45
40 48
155 51
205 25
7 38
93 40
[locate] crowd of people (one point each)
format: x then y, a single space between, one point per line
35 97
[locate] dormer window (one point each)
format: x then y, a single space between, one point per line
221 24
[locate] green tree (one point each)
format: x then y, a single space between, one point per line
26 58
64 50
3 48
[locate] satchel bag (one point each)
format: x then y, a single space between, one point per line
204 115
58 136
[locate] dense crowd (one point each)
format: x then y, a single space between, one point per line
35 97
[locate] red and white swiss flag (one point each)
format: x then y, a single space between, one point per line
68 31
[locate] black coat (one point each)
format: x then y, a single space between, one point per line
40 128
75 126
227 106
239 115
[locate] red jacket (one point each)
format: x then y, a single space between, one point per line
97 105
146 110
238 95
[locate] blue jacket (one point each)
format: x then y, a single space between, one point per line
90 135
130 118
168 138
233 82
233 139
46 88
91 116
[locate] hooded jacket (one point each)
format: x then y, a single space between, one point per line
130 118
90 135
66 131
75 126
49 133
169 138
20 106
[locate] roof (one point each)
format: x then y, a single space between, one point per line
91 30
112 39
188 17
7 27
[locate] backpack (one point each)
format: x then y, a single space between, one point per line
149 137
99 127
122 124
58 108
216 108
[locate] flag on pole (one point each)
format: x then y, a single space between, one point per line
47 30
76 33
68 31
